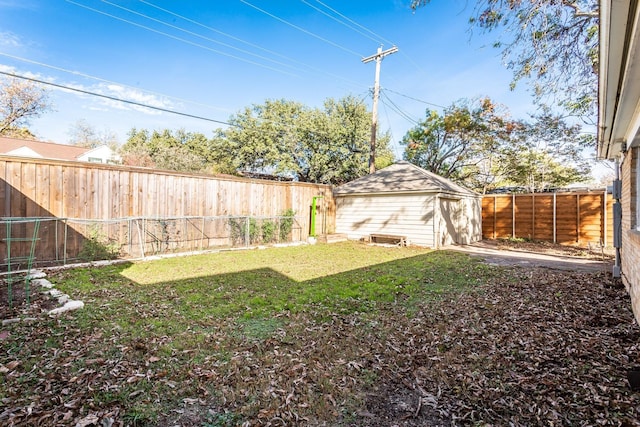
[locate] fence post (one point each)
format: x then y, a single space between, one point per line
64 248
513 216
495 216
202 234
577 218
246 232
56 224
533 216
604 219
140 237
555 217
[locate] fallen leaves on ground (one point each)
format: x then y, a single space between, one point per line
535 347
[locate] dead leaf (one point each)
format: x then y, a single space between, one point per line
88 421
12 365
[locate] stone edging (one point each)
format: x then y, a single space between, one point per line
65 303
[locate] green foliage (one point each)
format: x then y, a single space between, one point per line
261 230
97 246
286 224
228 419
268 231
459 143
180 150
479 147
287 139
545 153
243 228
552 44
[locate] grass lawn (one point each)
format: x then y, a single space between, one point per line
310 335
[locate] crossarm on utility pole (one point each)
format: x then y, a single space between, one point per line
376 94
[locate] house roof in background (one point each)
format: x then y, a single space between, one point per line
47 150
401 177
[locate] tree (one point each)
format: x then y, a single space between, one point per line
20 101
287 139
461 143
545 153
477 145
552 43
83 134
181 151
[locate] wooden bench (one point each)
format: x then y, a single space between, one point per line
389 239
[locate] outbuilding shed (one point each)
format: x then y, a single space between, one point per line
409 203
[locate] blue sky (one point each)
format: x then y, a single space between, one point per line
212 58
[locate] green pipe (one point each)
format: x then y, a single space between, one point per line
313 215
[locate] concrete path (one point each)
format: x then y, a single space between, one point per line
502 257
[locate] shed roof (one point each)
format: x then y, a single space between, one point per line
402 177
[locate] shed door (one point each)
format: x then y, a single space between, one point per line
449 221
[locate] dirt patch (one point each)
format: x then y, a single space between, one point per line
20 306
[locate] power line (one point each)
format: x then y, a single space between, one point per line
394 145
340 22
215 30
398 110
139 104
77 73
113 98
295 61
378 37
412 98
301 29
181 39
175 27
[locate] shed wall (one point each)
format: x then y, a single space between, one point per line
412 216
459 221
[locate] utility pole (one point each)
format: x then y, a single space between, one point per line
376 94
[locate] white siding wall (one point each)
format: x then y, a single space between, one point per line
449 218
405 215
471 220
101 154
458 221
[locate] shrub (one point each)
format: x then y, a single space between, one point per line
97 246
268 231
286 224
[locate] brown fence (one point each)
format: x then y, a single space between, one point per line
566 218
122 199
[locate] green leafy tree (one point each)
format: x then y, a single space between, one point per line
545 153
20 101
287 139
477 145
180 150
461 143
551 43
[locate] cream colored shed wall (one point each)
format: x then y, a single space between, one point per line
412 216
459 220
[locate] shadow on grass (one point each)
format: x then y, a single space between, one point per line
265 291
219 325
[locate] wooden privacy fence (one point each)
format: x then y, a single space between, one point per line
195 207
566 218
